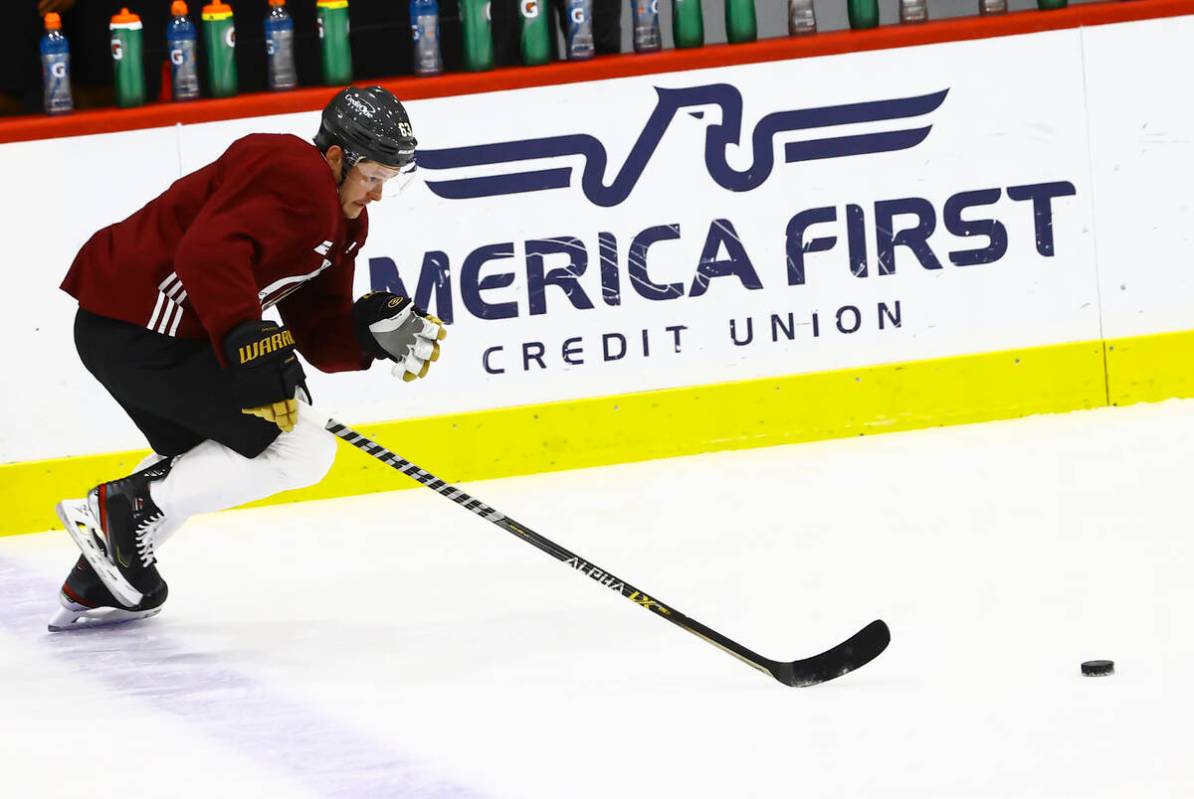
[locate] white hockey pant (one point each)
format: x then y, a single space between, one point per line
213 477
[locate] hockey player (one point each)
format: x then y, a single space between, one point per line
170 323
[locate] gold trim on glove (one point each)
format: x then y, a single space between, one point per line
283 413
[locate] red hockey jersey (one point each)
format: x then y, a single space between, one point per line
261 225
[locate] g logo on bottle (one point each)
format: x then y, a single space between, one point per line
117 50
530 8
230 37
176 57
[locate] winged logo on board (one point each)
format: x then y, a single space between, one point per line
719 137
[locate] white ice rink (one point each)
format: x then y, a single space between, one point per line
397 646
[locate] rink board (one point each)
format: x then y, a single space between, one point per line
599 431
694 260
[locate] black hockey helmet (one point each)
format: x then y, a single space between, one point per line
368 123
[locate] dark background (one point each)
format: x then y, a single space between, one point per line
380 38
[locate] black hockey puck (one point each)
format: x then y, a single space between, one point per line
1098 668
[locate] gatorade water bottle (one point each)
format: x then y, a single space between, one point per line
688 26
332 18
536 37
478 38
424 30
219 36
125 28
646 25
182 44
279 47
580 30
862 13
740 21
55 67
802 18
912 11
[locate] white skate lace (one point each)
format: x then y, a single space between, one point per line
145 536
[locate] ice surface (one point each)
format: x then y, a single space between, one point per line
395 645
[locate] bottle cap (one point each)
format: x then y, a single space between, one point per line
125 17
178 8
53 21
217 10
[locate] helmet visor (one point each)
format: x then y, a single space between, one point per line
392 181
408 173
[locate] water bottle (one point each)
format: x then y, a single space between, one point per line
219 36
912 11
580 30
863 13
688 25
128 75
536 36
55 67
647 38
478 35
424 30
279 47
802 17
740 21
182 44
332 18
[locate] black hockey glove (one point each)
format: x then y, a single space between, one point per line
266 371
389 326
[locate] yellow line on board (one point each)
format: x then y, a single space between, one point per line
1150 368
684 421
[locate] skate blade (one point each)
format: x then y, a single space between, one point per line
72 616
78 521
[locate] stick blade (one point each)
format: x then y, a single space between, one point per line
859 650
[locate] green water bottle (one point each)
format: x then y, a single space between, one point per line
478 38
128 74
863 13
1049 5
333 39
536 36
740 21
688 26
219 38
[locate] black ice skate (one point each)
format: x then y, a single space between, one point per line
87 602
115 528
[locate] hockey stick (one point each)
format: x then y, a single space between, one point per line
860 649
